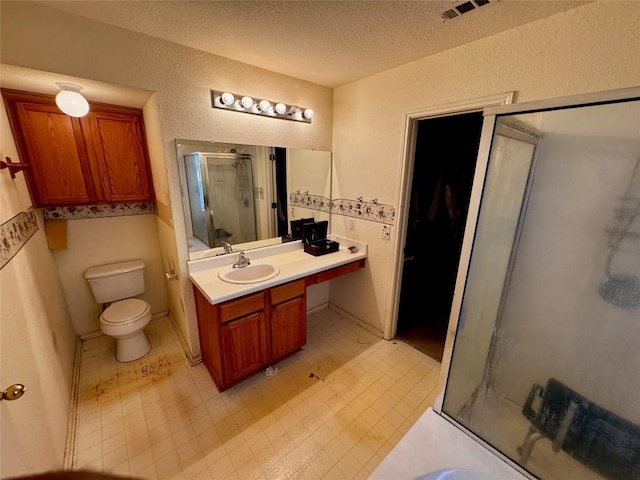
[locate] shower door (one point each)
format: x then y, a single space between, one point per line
221 197
544 366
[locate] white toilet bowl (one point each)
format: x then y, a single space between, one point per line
125 320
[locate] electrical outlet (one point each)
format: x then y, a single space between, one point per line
386 232
352 224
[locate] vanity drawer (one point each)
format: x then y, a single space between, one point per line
339 271
240 307
289 290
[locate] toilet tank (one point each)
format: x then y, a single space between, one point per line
116 281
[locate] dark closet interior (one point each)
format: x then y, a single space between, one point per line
444 164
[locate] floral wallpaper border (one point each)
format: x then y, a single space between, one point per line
14 234
312 202
98 211
374 211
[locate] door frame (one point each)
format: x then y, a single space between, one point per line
409 138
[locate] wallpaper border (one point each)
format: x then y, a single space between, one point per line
98 211
15 232
373 211
312 202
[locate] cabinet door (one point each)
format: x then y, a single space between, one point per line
288 327
244 346
51 143
117 146
210 341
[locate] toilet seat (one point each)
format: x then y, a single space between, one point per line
126 311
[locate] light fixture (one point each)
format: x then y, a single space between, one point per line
246 102
258 106
70 100
264 105
227 98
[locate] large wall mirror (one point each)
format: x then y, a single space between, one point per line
247 196
545 364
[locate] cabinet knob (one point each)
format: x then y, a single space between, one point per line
14 392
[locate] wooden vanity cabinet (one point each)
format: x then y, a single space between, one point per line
240 337
243 331
97 159
288 318
243 336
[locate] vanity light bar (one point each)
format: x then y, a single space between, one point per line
257 106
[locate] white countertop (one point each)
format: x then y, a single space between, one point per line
290 257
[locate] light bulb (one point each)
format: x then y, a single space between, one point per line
264 105
246 102
308 113
281 108
227 98
70 100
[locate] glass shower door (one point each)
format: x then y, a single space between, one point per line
196 194
545 366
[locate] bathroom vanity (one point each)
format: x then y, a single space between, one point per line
245 327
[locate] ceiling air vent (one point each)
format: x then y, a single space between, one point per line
464 7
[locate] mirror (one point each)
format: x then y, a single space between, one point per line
247 195
545 359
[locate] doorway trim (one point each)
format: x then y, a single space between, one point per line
410 129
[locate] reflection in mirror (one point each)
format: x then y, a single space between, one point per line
545 362
246 196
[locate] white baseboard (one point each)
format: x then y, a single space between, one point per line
363 324
191 359
70 446
318 308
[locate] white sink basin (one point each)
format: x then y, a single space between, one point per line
253 273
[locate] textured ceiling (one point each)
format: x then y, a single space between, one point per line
330 43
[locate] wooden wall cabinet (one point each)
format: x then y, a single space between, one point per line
97 159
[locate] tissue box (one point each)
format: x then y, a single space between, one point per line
314 239
321 247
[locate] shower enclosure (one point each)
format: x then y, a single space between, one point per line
221 197
544 367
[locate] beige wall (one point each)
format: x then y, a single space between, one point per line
181 79
98 241
37 341
587 49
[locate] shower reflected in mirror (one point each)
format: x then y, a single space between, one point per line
246 196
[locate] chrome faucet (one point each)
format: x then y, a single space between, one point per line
227 247
242 261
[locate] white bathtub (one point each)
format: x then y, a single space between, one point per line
435 447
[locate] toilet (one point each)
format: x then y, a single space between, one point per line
115 285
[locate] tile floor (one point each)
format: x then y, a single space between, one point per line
333 411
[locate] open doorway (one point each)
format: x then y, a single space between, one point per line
443 170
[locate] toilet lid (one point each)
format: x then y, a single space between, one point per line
124 310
